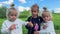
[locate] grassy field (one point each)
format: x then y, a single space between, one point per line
56 20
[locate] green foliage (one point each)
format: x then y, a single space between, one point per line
56 20
52 11
3 12
24 14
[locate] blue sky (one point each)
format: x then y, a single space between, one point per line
50 4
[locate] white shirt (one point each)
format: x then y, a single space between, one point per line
8 23
49 29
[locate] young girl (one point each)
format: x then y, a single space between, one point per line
34 19
13 25
47 26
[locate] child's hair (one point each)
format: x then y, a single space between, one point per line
36 6
10 10
44 8
46 13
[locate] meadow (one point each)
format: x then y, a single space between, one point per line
56 20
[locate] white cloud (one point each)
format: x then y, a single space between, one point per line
27 8
0 4
21 8
57 10
8 2
22 1
44 5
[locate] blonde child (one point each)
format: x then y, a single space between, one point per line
13 25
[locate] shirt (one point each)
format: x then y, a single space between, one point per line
17 30
37 20
49 29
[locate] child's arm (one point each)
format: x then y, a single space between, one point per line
5 29
50 30
29 26
51 27
27 23
23 22
29 20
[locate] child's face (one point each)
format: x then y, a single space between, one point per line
12 15
34 11
46 17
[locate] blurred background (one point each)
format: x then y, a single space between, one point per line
23 6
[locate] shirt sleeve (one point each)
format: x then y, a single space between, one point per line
41 26
29 19
51 26
4 29
28 27
41 19
23 22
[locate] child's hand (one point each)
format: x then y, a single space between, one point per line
30 24
12 27
36 32
45 26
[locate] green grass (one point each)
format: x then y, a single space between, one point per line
1 21
56 20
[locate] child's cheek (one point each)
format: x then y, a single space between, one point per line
44 19
49 18
11 17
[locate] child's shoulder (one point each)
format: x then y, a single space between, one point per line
29 17
18 19
5 22
50 22
40 17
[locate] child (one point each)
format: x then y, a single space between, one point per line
13 25
47 26
34 19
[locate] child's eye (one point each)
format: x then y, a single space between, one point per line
15 15
12 15
34 11
47 16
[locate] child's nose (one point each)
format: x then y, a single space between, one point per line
13 16
45 17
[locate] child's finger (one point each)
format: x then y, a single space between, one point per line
30 24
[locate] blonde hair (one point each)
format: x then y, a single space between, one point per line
10 10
